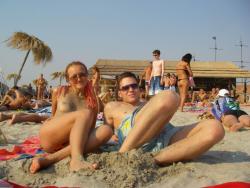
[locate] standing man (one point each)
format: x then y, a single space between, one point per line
41 86
156 78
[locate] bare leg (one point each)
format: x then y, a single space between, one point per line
191 142
16 118
73 128
98 137
232 123
4 116
245 119
183 88
151 119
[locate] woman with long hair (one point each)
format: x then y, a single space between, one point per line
71 130
184 73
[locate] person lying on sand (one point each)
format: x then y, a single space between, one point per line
227 110
22 117
14 99
146 125
70 131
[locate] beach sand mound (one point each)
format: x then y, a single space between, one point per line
132 169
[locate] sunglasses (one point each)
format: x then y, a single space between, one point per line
155 55
80 75
126 87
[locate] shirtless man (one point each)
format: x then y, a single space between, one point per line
41 85
12 103
147 125
184 71
147 73
156 77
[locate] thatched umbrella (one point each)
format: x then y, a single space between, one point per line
60 75
22 41
13 76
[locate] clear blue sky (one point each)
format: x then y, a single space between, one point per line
129 29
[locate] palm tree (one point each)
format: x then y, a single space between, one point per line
60 75
41 52
13 76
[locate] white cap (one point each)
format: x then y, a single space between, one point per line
223 92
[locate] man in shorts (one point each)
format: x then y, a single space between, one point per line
146 125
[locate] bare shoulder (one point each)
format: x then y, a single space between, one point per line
112 105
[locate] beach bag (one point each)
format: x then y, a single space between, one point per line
191 82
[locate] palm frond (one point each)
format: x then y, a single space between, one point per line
12 76
22 41
56 75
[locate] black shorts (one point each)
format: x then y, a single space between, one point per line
236 113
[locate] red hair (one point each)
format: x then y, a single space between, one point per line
89 94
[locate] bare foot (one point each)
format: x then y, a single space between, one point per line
77 165
236 127
38 164
14 119
3 117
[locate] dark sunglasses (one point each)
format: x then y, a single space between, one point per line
79 75
126 88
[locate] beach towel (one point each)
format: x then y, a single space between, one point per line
29 148
231 185
194 107
42 111
9 184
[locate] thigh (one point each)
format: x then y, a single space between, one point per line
202 128
245 119
229 120
57 130
157 112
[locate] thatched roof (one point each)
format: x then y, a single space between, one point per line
200 69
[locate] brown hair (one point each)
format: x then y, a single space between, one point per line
158 52
72 64
126 75
88 90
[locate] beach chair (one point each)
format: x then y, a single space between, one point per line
3 137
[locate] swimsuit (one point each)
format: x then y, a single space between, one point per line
157 143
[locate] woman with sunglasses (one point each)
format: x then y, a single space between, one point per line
71 130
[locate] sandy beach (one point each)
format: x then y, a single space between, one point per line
227 161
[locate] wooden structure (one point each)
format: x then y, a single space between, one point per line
206 74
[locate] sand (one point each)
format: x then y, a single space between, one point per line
229 160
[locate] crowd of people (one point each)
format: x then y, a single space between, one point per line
131 120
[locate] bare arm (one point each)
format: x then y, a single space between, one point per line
108 116
189 70
162 69
54 101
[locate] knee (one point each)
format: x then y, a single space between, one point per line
105 133
84 113
168 100
215 131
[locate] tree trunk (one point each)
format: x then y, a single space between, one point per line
20 70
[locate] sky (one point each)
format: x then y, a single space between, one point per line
129 29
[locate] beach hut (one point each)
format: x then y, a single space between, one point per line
206 74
